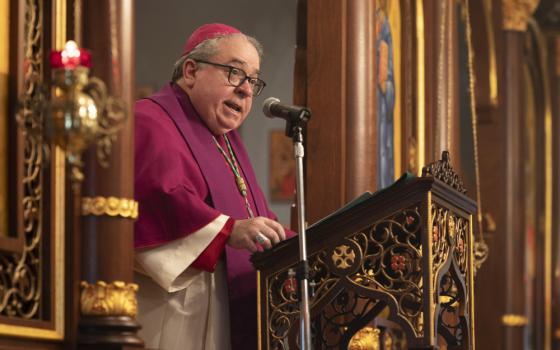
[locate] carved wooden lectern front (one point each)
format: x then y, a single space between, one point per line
398 263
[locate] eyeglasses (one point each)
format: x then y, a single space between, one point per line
237 76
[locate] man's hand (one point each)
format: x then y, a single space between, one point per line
247 233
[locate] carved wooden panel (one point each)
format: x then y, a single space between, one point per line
404 258
31 254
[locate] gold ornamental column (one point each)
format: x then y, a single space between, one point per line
108 296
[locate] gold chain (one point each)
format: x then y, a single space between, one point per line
235 168
474 120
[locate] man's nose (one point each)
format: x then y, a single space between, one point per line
245 88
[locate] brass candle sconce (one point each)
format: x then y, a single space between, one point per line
78 112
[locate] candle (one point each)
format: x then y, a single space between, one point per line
71 57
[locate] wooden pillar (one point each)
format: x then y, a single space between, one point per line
361 140
548 19
515 17
106 28
325 152
513 229
341 142
489 55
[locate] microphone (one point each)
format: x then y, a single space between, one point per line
272 107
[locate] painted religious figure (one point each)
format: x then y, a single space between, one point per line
385 98
282 167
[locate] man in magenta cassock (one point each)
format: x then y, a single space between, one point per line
202 212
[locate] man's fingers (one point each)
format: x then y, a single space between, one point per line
278 229
270 234
263 240
257 232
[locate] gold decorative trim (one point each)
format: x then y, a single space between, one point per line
395 22
443 171
514 320
366 338
30 332
420 87
58 228
115 299
409 136
388 341
21 273
472 271
58 194
492 65
516 13
4 83
428 287
343 257
111 206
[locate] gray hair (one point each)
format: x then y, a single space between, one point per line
208 49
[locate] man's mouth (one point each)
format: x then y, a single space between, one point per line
233 106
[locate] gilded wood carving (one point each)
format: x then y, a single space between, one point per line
109 299
20 274
410 266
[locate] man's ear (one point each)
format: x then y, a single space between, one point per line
190 69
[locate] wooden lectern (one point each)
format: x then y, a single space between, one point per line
397 263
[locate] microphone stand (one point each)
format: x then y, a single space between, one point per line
294 128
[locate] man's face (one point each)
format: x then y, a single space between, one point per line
224 107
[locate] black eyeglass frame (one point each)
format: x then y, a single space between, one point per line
254 85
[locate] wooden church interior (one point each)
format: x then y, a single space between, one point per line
463 95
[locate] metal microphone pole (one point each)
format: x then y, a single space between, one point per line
294 130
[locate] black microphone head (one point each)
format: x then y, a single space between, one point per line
267 104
